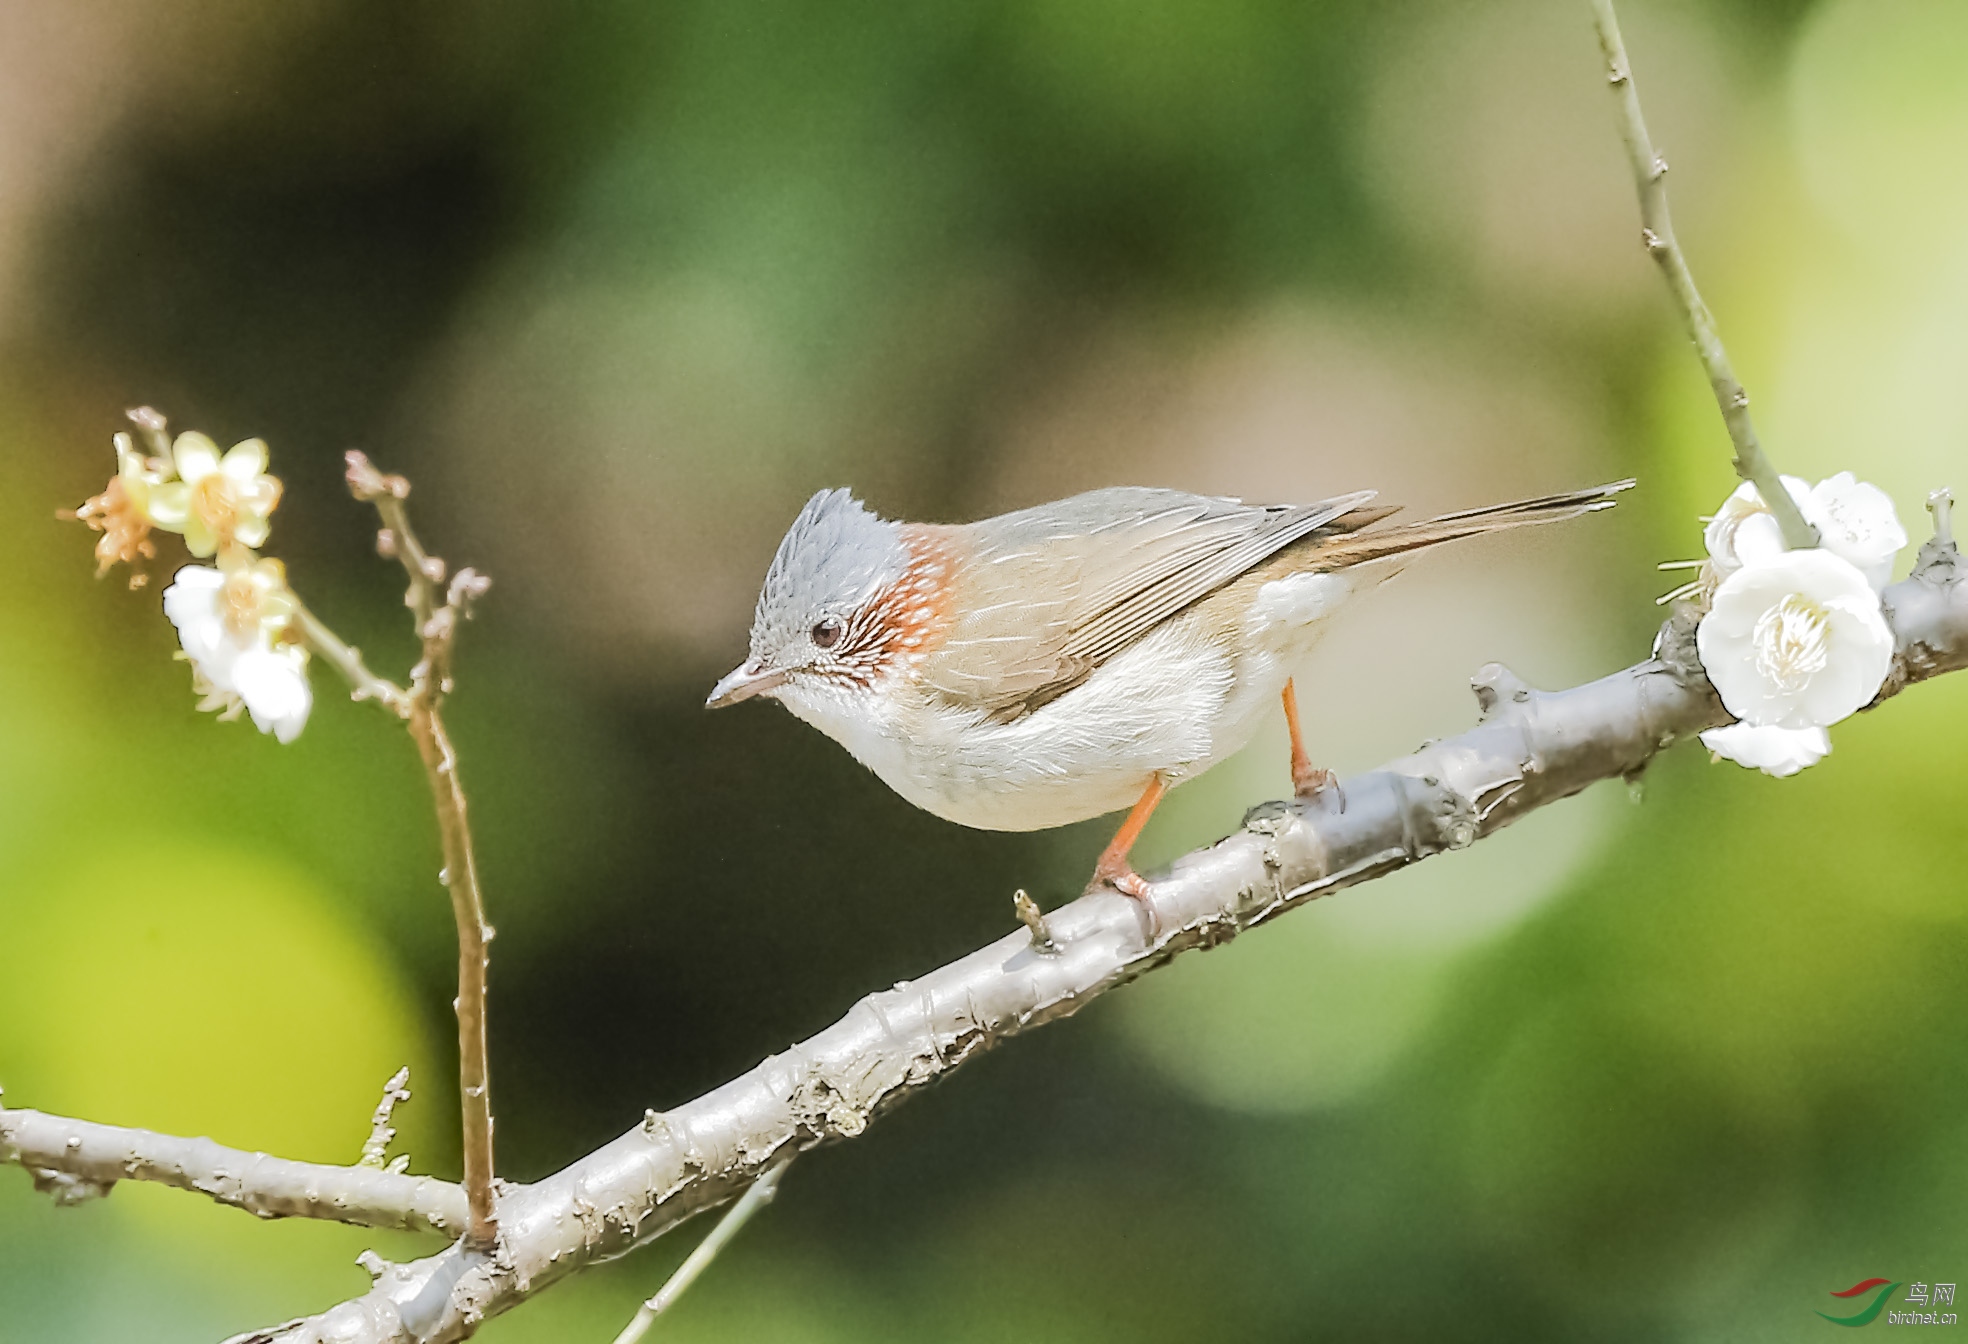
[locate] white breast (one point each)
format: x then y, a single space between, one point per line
1174 703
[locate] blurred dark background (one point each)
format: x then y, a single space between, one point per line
619 285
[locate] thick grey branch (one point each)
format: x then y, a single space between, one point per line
1928 610
1657 234
1531 748
76 1160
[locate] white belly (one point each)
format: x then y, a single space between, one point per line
1174 703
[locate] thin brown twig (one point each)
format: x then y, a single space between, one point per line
1657 235
460 877
388 491
347 660
438 612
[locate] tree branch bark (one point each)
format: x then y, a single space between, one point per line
1530 748
77 1160
687 1273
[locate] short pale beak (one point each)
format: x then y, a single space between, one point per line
742 684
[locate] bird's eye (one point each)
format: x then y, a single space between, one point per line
827 633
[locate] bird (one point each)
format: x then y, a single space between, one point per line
1076 658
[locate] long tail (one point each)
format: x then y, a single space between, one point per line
1358 547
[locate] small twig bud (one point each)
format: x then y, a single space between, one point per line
1939 561
153 428
467 586
386 543
1940 503
1029 915
366 483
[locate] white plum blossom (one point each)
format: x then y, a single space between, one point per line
233 620
1795 640
1855 519
230 623
1781 752
122 511
1744 530
217 502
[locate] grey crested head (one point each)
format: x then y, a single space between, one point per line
835 557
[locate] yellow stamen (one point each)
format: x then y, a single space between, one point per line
215 500
242 603
1792 641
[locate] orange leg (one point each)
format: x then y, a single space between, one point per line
1113 867
1308 780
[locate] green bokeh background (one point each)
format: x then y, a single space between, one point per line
620 284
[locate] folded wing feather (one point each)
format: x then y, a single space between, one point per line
1047 595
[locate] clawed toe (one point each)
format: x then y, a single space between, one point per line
1132 885
1311 783
1115 871
1121 877
1308 781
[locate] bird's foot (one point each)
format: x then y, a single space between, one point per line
1310 783
1122 878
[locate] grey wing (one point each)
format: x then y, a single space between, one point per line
1048 594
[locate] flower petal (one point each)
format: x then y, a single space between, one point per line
1758 537
1743 525
1855 519
245 460
197 456
1780 752
1833 662
260 495
194 604
168 505
274 685
199 537
251 530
